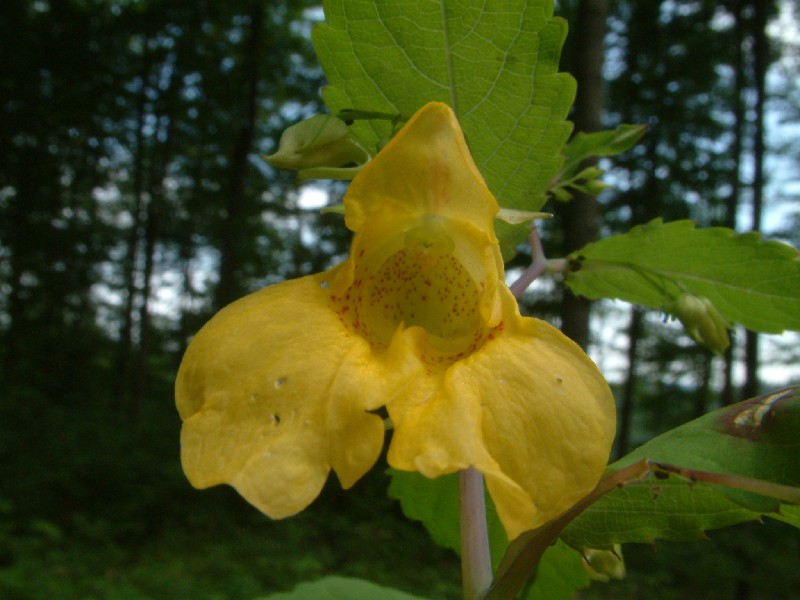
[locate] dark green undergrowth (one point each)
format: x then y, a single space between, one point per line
751 561
94 506
219 550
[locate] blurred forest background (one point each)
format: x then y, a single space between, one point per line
134 203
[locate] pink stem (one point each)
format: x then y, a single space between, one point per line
476 561
536 268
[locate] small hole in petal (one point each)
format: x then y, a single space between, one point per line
276 419
280 382
324 285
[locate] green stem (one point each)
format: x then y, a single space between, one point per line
557 265
476 561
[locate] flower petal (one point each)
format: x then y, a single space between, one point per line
529 410
274 392
425 169
548 420
435 432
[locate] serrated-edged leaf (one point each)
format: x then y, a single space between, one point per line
643 513
758 438
495 64
750 280
341 588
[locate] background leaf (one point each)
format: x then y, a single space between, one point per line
600 143
434 502
496 65
341 588
750 280
757 438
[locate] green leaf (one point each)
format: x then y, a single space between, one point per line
341 588
495 65
559 575
750 280
757 438
600 143
789 514
575 175
643 513
434 502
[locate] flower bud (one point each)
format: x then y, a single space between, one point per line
702 321
604 565
322 144
589 173
595 186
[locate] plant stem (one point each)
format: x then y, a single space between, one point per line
538 265
476 561
557 265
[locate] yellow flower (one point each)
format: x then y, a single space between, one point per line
282 385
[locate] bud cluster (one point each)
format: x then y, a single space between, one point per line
702 321
322 146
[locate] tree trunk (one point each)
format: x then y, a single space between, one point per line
760 64
131 263
703 392
626 409
139 374
727 395
231 248
158 173
582 214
